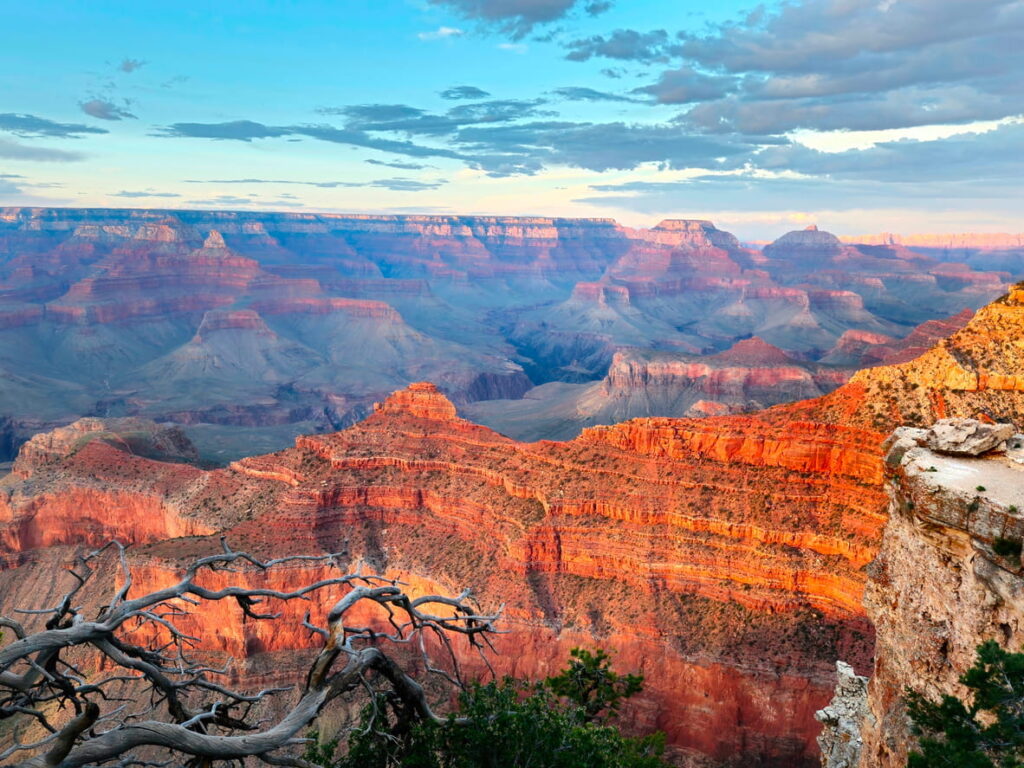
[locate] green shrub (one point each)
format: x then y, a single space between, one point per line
1009 548
558 723
987 731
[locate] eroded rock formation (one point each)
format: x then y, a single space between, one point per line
262 326
939 587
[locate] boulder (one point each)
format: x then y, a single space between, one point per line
968 437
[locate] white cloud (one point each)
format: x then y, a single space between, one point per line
441 33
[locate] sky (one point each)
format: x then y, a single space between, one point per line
861 116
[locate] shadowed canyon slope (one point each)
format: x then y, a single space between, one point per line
724 557
251 328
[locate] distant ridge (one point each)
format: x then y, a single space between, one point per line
985 240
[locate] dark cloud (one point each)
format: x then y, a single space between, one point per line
903 108
576 93
144 193
686 86
401 118
625 45
464 92
604 146
502 137
976 157
400 166
32 126
517 18
364 124
363 114
12 150
130 65
835 65
859 64
236 130
105 110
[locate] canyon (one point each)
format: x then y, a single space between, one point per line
249 329
724 557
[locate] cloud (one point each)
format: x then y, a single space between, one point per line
12 150
144 193
235 130
395 184
130 65
753 193
32 126
441 33
321 184
576 93
686 85
834 65
400 166
220 200
105 110
517 18
464 92
624 45
519 48
407 185
858 64
981 158
501 137
601 146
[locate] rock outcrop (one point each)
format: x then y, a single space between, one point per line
967 437
840 740
941 583
748 376
722 560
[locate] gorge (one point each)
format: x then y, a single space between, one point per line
251 328
725 557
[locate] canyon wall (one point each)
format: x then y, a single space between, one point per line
247 326
937 589
725 563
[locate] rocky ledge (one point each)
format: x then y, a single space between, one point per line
948 576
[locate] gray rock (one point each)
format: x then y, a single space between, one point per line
900 442
841 720
968 437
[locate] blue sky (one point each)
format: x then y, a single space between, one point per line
860 115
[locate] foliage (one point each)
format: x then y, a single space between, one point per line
987 732
590 684
558 723
1010 548
319 752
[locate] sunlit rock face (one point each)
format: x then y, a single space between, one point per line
251 328
705 554
725 557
